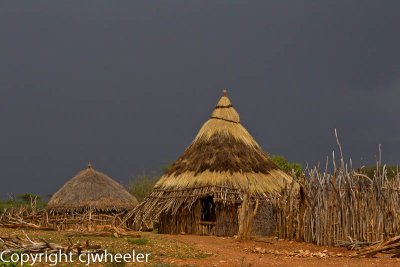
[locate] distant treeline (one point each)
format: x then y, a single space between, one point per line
27 200
371 170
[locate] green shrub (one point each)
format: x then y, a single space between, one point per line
370 171
287 166
23 200
141 186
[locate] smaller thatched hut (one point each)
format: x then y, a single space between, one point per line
90 198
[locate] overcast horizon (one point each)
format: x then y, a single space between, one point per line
126 85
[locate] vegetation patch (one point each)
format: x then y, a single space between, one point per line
141 186
138 241
28 201
287 166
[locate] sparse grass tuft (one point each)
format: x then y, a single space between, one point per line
162 264
138 241
115 264
11 264
162 248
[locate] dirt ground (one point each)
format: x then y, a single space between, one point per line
188 250
229 252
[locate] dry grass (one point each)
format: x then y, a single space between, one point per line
162 248
273 182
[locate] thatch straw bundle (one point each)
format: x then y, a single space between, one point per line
222 161
94 191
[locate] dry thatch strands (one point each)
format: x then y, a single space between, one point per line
89 198
91 189
203 190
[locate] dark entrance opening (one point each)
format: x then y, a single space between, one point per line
208 209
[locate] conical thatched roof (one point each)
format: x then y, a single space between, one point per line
223 161
91 189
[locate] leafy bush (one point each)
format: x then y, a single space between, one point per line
141 186
287 166
370 171
23 200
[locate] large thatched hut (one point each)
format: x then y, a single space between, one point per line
202 191
90 198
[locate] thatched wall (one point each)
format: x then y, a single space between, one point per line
226 223
189 222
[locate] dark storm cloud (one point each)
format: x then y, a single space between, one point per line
127 84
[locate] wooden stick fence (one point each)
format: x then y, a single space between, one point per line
346 205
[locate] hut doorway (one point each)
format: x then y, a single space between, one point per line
208 209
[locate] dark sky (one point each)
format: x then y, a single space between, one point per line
127 84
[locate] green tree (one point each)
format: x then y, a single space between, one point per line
140 186
287 166
370 171
27 197
31 201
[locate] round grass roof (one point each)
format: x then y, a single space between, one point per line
91 189
223 161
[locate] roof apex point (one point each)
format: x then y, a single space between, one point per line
89 166
225 92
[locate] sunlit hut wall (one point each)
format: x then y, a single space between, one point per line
90 198
202 191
